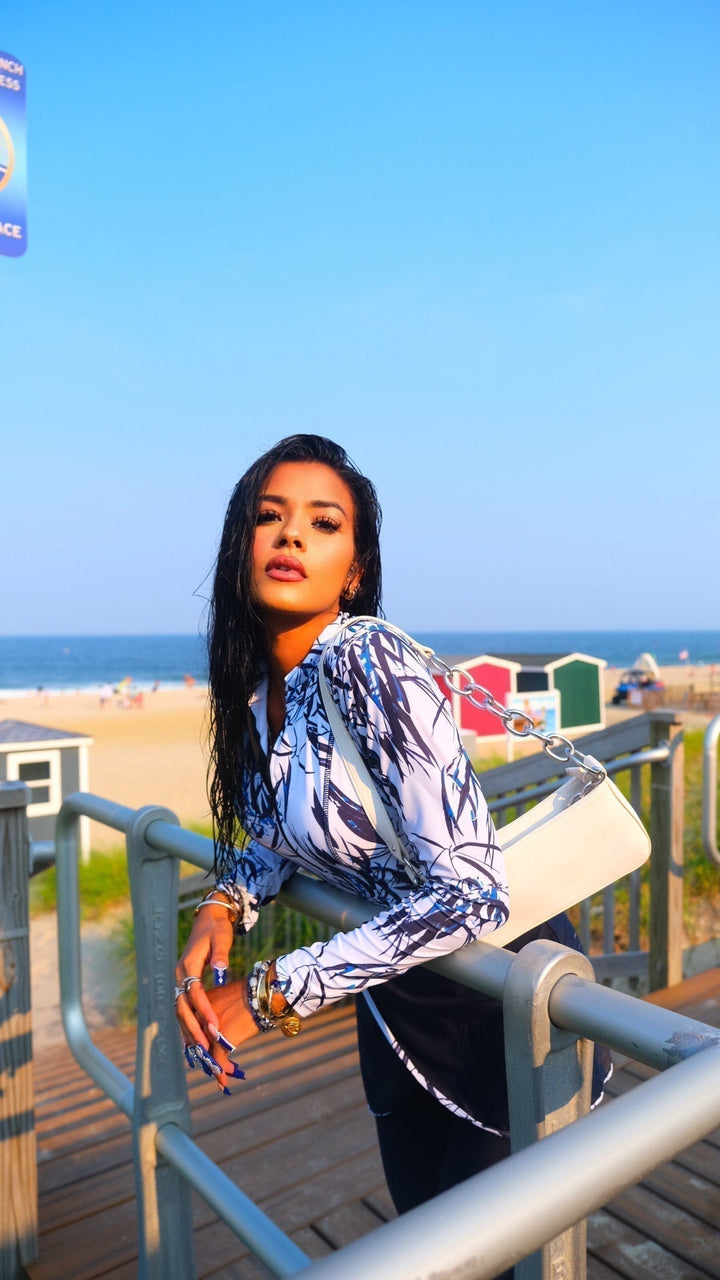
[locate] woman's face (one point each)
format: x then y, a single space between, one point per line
304 547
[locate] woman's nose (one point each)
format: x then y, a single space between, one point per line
290 536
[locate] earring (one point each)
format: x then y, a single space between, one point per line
351 594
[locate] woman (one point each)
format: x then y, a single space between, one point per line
300 551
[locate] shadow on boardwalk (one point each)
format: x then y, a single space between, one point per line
298 1139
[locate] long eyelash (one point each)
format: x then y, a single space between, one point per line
326 523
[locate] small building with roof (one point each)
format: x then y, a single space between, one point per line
562 692
52 763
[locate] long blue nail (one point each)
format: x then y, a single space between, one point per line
190 1056
227 1092
220 975
225 1043
206 1060
234 1070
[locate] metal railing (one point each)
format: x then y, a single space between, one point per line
531 1207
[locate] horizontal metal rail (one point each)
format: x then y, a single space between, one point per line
710 787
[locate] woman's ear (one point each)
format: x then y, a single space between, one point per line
352 585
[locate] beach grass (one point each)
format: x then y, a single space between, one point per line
103 881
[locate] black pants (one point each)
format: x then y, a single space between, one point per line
426 1149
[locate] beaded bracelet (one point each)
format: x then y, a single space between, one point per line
258 971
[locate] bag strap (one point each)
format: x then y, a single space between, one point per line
365 788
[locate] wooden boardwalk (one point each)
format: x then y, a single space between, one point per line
297 1137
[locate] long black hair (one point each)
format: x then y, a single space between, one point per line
237 638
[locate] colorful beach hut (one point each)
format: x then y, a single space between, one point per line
562 691
52 763
576 677
493 672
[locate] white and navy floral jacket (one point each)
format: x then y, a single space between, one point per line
403 726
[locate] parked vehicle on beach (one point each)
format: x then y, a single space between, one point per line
643 674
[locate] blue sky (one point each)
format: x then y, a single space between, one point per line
477 243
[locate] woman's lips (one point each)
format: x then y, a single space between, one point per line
285 569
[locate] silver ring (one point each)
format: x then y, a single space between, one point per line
179 991
187 983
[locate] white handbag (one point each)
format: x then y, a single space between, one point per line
576 841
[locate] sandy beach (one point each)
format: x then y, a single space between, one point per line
154 754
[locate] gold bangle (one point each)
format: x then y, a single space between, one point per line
288 1021
218 902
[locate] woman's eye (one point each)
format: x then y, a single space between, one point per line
327 524
266 517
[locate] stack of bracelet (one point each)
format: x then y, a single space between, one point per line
260 996
210 901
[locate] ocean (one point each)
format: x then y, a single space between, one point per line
82 663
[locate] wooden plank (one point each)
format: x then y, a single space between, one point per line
622 1249
297 1207
83 1162
698 991
293 1158
380 1201
85 1252
89 1195
680 1232
687 1190
285 1119
596 1270
347 1223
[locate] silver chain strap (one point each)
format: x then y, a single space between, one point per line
554 744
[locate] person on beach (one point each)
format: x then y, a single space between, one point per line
299 555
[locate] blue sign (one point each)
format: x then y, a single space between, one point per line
13 157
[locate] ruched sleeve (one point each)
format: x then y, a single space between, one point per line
259 877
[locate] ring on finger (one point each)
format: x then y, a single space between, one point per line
179 991
187 983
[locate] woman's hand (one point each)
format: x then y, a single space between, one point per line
209 944
234 1023
229 1025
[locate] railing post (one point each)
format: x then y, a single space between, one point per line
165 1246
549 1075
667 812
18 1155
